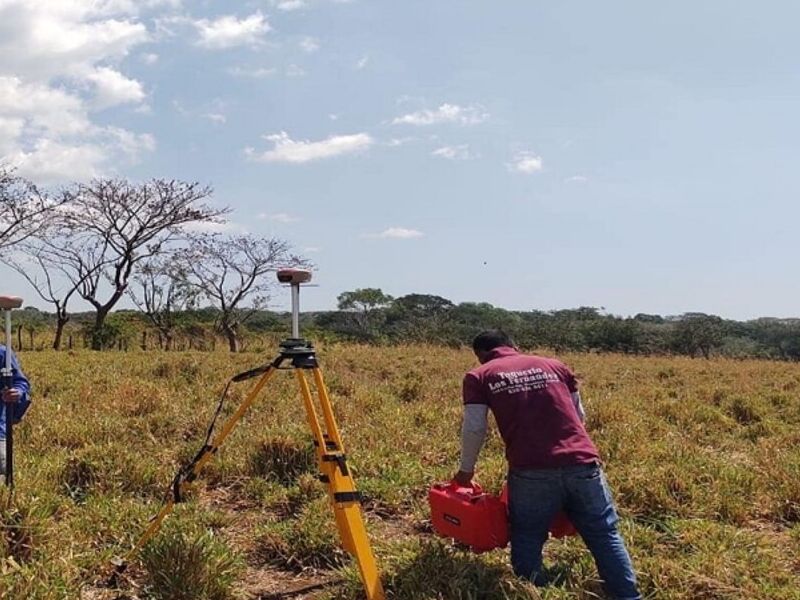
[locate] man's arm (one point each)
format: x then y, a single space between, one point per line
473 428
473 435
573 385
576 399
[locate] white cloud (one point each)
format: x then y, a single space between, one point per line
295 71
289 5
309 44
216 118
311 249
395 233
113 88
526 162
214 111
577 179
44 110
212 227
395 142
459 152
362 62
130 7
149 58
301 151
278 217
129 143
446 113
178 106
228 31
10 130
59 63
50 161
40 40
253 73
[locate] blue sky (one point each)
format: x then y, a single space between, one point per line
535 155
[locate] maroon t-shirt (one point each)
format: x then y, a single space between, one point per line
530 397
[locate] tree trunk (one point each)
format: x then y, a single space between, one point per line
62 318
58 336
97 332
144 340
233 339
30 334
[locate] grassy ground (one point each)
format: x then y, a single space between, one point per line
703 457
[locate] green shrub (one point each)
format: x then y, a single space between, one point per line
183 566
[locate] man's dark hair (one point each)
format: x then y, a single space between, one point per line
491 339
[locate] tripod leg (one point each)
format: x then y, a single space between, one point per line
341 487
323 445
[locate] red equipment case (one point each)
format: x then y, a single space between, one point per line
477 519
469 516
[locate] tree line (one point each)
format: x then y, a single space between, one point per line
370 316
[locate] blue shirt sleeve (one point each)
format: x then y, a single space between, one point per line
19 381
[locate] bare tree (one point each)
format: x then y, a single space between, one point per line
231 271
23 207
47 268
162 293
115 225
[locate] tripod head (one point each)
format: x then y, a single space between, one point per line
295 277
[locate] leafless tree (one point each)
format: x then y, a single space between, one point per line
232 271
56 267
116 224
23 208
162 294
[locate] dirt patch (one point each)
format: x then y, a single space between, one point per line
274 584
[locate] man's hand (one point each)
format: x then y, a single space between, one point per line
464 478
11 395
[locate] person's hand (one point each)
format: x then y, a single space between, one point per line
11 395
464 478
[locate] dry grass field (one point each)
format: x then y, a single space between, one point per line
703 457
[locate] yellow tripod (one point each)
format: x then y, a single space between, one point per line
332 460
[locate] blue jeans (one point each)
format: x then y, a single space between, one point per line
536 496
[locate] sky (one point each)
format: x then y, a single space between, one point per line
635 156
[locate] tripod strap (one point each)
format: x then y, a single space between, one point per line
189 472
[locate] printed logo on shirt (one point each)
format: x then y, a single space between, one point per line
514 382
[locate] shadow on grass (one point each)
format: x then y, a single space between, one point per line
438 571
